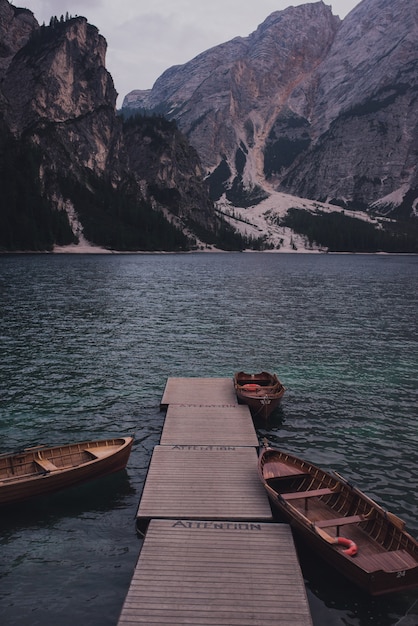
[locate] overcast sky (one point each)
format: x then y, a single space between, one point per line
146 37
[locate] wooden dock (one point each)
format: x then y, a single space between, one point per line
211 554
203 482
199 392
216 573
209 425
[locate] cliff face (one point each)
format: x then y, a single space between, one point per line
59 76
162 158
16 26
57 103
365 110
232 94
58 91
306 104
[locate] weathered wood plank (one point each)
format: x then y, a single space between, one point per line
203 482
231 569
228 574
199 392
206 425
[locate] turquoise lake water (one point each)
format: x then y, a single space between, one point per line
87 343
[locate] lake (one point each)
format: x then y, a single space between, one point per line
87 343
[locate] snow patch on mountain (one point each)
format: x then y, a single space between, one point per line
264 220
393 199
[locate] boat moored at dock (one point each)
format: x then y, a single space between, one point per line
262 392
350 531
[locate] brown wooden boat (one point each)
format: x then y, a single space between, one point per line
261 392
38 471
367 544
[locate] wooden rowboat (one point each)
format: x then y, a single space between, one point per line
261 392
38 471
367 544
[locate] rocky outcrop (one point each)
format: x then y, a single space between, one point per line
227 99
16 26
164 164
365 111
58 77
58 90
307 104
58 107
265 113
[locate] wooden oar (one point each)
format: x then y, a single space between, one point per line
327 537
396 521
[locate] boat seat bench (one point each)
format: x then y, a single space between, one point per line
98 453
284 478
312 493
340 521
46 465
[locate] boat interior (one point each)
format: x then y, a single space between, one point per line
335 509
259 382
263 379
46 460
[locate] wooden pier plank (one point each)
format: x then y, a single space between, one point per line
232 568
216 574
199 392
203 482
209 425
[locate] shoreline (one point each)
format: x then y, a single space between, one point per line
86 250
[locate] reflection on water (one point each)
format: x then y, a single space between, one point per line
95 497
334 599
87 344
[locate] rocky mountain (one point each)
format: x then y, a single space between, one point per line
71 168
16 26
308 105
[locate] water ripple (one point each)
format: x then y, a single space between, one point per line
88 342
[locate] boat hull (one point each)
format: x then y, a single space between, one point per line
261 407
387 557
43 471
375 583
262 393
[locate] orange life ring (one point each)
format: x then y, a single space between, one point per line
251 387
350 545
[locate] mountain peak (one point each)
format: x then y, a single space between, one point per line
306 104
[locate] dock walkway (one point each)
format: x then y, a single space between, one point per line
211 554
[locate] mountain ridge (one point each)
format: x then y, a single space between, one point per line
71 169
307 104
74 172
